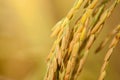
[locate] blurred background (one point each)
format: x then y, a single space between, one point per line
25 28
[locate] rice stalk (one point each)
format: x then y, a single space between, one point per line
112 46
107 38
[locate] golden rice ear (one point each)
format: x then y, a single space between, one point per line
58 24
91 40
118 35
73 43
56 29
59 27
78 4
118 1
112 46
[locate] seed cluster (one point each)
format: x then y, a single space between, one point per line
73 43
